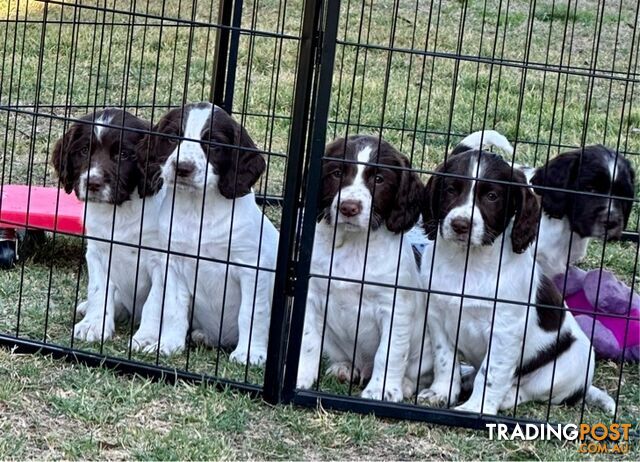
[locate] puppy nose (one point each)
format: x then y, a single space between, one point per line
460 225
185 169
94 184
350 208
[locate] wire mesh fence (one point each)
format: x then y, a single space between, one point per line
64 62
393 267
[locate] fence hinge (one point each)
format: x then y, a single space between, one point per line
291 280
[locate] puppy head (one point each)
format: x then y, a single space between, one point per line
468 207
595 169
96 157
357 196
211 156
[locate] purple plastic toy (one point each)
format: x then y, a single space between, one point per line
611 333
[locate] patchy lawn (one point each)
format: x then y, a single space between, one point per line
53 410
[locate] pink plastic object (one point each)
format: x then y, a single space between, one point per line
42 213
579 304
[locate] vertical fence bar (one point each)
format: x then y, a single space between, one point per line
313 177
220 54
283 286
232 63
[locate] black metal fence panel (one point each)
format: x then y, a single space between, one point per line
422 77
64 61
349 236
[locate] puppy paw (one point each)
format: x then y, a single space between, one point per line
466 407
81 309
171 344
342 371
142 340
391 393
408 387
437 396
90 330
147 342
256 356
470 407
306 378
474 404
200 337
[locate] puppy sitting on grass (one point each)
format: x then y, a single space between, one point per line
355 316
501 312
96 159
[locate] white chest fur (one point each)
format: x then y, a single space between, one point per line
558 246
366 313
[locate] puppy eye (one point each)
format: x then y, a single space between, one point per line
173 137
491 196
337 173
379 179
85 151
450 189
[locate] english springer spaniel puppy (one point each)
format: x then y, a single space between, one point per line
483 229
96 159
208 164
369 197
476 140
570 220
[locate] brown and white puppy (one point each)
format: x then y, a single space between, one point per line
570 219
482 216
96 159
207 164
368 198
591 191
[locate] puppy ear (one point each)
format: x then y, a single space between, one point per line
333 152
149 165
525 225
406 209
560 172
238 169
153 150
61 158
431 197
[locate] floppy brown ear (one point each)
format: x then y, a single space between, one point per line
238 168
149 165
525 225
431 197
154 149
61 158
408 201
333 150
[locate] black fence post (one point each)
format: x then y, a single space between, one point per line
285 263
232 61
313 177
225 57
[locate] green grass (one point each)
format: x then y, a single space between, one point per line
564 14
53 410
92 64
